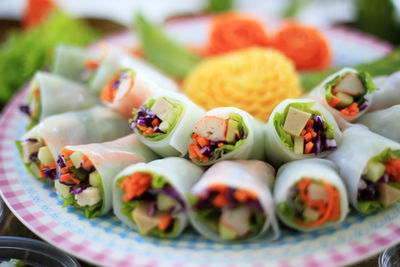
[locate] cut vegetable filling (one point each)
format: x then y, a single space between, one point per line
156 119
213 137
151 203
303 130
379 185
33 108
311 203
230 212
346 92
79 183
38 158
119 85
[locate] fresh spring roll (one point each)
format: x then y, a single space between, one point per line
75 62
384 122
389 93
151 197
309 195
232 201
40 146
88 171
117 61
300 129
370 166
50 94
127 90
164 123
226 133
346 94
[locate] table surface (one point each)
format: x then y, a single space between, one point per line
9 224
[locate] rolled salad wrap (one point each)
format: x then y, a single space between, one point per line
384 122
86 172
232 202
127 90
75 63
39 148
116 61
226 133
310 195
165 121
389 93
346 94
151 197
50 94
300 129
370 166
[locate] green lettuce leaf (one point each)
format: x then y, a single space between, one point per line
386 155
369 206
287 210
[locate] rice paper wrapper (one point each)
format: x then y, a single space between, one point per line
70 62
384 122
97 124
143 88
255 176
357 146
252 148
181 174
177 142
58 95
112 157
117 60
318 94
277 153
318 169
389 93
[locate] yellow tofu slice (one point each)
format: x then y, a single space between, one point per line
161 108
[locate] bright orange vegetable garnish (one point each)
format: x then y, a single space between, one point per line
155 122
306 46
351 110
393 169
53 165
108 93
66 152
194 150
232 31
36 12
327 211
203 141
243 196
164 222
69 163
309 147
92 64
41 174
135 185
86 161
334 102
308 137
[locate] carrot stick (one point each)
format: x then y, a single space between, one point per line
53 165
334 102
69 163
192 152
155 122
220 200
66 152
164 222
307 137
202 141
92 64
86 161
308 148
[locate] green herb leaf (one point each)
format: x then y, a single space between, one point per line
218 6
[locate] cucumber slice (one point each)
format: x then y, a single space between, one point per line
164 126
93 178
34 168
226 233
165 203
76 158
230 133
45 156
375 170
62 189
345 100
172 115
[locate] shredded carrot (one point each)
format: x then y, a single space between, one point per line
164 222
232 31
53 165
192 152
41 174
243 196
155 122
218 188
137 52
42 166
306 46
351 110
303 132
334 102
393 169
36 12
64 170
75 180
65 177
308 137
86 161
194 138
135 185
310 124
220 144
220 200
108 93
92 64
66 152
149 130
69 163
202 141
308 148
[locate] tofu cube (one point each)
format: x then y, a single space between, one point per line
212 128
295 121
298 145
388 194
88 197
161 108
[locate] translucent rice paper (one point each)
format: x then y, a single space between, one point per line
357 146
69 62
112 157
319 169
277 153
318 93
177 142
253 175
252 148
384 122
97 124
388 94
181 174
117 60
58 95
125 99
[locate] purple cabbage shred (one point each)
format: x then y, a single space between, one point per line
33 156
152 209
31 140
25 109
